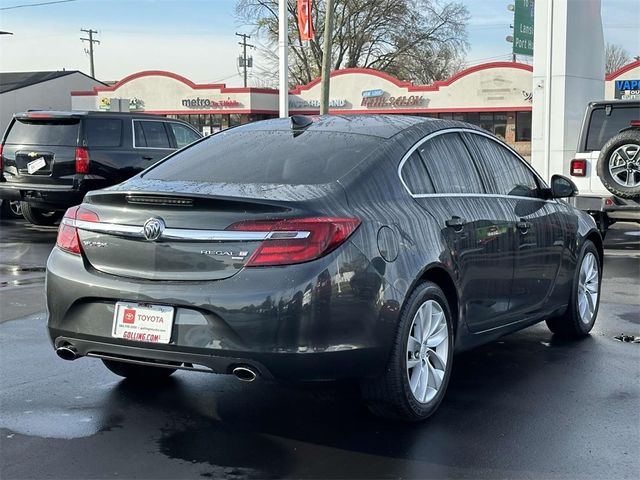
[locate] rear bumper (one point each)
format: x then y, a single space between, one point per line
288 323
42 196
620 209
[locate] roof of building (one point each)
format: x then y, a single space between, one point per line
15 80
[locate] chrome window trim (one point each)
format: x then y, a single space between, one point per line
133 132
474 132
186 235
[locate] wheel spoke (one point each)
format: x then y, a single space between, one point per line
412 362
415 378
438 337
427 312
421 393
413 344
618 168
435 376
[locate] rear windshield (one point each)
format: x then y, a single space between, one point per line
50 132
603 127
267 157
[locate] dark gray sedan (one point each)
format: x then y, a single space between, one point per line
363 247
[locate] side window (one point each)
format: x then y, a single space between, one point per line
184 135
139 139
154 133
449 165
103 132
415 176
507 174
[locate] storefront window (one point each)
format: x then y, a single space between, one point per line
523 126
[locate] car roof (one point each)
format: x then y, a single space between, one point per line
383 126
600 103
85 113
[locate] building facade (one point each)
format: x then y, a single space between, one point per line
496 96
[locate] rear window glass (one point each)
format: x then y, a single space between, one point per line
50 132
285 157
103 132
603 127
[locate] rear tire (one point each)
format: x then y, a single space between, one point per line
11 209
418 371
581 314
142 373
38 216
619 164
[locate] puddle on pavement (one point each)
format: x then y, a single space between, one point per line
26 281
64 424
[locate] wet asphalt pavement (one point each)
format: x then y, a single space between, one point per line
527 406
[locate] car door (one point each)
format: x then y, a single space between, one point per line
152 141
538 232
479 233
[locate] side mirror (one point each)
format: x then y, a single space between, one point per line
562 187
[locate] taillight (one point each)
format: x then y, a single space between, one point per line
68 233
296 240
635 123
82 160
578 167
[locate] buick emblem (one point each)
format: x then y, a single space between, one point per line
153 228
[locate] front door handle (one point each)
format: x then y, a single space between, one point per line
456 223
523 226
147 157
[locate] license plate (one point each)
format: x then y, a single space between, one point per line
142 322
36 165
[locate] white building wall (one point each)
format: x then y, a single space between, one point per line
50 95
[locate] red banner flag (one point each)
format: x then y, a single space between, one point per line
305 24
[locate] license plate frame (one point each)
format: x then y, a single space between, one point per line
143 322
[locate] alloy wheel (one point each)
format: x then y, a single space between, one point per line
427 351
624 165
15 207
588 287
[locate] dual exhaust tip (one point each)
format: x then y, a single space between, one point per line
242 373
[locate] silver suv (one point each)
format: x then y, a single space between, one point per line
606 167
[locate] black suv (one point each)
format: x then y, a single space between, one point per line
49 160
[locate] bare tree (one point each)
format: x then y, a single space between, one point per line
615 57
417 40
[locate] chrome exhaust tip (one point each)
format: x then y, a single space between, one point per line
244 374
67 352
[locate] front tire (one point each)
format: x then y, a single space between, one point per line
37 216
143 373
417 375
581 314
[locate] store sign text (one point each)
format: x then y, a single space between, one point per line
378 98
627 89
333 103
207 103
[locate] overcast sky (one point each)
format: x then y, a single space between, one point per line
195 38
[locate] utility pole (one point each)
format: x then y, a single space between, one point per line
244 53
283 58
326 59
91 42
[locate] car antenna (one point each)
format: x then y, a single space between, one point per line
300 121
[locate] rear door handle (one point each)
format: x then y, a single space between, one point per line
147 157
456 223
523 226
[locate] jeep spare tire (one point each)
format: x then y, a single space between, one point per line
619 164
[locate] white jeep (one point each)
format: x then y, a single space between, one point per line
606 167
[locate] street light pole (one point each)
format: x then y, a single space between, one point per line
326 59
283 61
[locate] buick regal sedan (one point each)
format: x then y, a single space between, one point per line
361 247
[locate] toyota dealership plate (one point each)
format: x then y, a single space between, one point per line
142 322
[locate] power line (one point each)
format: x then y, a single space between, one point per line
26 5
90 51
